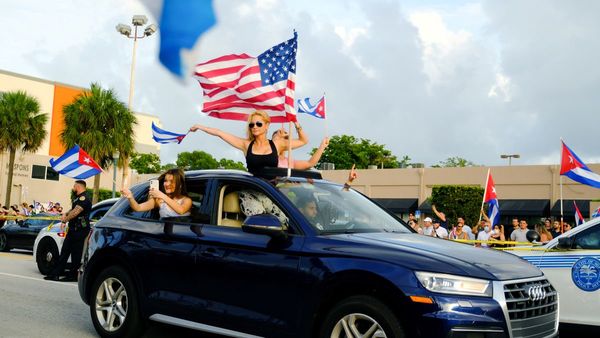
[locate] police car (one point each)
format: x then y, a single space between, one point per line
571 262
47 245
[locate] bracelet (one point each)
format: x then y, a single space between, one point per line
298 128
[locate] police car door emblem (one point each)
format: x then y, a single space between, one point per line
586 274
536 292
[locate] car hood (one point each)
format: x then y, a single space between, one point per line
425 253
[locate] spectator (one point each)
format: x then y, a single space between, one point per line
515 226
545 235
484 235
415 226
411 217
427 227
520 235
458 233
438 230
441 216
567 226
556 231
466 228
498 233
548 224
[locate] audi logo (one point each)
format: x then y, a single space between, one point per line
536 292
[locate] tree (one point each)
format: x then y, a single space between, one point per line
458 201
226 163
168 166
346 150
145 163
101 125
455 161
196 160
22 127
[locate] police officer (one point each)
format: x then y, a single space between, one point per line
79 227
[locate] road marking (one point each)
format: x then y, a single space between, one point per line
16 256
37 279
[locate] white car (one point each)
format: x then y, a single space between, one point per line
571 262
47 245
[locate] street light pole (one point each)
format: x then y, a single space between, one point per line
510 157
138 21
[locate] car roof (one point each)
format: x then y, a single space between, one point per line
109 201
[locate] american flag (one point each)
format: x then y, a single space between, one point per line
236 85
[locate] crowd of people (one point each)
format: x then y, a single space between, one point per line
27 209
483 233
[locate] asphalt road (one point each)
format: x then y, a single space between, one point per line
33 307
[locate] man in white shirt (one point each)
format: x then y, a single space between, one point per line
484 235
439 231
427 228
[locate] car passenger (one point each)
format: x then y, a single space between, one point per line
171 199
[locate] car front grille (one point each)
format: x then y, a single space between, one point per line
532 308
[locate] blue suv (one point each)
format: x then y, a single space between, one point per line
300 257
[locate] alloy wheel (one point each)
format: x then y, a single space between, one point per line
357 325
111 304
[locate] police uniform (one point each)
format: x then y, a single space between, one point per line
79 228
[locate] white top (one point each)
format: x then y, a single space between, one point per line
484 236
164 210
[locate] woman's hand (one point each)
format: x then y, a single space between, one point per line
157 194
126 193
324 143
352 176
196 127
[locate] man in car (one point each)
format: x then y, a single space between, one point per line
79 227
308 207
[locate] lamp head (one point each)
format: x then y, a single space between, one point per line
124 29
139 20
151 29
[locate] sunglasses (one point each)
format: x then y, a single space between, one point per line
258 124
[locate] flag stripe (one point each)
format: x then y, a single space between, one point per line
163 136
71 164
69 161
236 85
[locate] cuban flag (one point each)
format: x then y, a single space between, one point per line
181 22
492 200
574 168
163 136
596 213
579 220
76 163
316 110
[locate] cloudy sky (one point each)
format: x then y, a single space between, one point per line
429 79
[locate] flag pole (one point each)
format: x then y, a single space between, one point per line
289 159
326 113
562 226
484 192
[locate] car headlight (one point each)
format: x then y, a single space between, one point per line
456 285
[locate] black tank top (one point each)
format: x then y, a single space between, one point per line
256 163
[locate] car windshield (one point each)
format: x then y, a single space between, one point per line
331 209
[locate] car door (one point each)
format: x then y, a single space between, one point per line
166 256
250 281
575 274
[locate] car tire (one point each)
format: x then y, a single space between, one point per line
46 256
4 242
363 314
114 305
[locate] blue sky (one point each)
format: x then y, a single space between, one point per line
429 79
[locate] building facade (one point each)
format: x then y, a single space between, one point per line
33 179
528 191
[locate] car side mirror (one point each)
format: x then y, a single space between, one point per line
565 243
263 224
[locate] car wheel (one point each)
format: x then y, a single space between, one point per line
46 256
114 305
361 316
3 242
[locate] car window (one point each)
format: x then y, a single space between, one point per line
588 239
196 191
332 209
97 214
238 201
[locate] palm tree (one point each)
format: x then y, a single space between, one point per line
101 125
22 127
